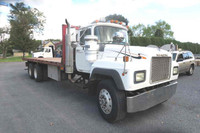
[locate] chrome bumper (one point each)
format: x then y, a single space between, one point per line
150 98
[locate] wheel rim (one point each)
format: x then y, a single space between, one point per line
29 71
35 73
191 70
105 101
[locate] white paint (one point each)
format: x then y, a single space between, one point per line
47 52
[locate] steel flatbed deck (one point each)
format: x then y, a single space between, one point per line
48 61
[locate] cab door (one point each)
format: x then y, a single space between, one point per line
186 61
82 65
48 52
181 63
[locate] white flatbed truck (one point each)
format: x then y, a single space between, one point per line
126 79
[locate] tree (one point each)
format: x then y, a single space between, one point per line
130 32
52 40
24 21
117 17
165 27
159 33
138 30
141 30
148 31
4 43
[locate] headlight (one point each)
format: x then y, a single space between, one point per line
139 76
175 70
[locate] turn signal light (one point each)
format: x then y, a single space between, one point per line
125 58
62 68
116 21
111 21
143 57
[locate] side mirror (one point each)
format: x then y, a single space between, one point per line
118 37
74 44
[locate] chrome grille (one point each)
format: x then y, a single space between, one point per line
160 68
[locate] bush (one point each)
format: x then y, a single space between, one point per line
158 41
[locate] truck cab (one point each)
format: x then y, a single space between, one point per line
92 42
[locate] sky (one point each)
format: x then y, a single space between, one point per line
182 15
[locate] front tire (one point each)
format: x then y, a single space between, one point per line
111 102
38 72
191 70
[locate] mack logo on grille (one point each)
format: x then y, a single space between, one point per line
161 55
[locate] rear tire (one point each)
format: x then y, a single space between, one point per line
111 102
38 72
191 70
30 70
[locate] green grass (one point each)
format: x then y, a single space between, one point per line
12 59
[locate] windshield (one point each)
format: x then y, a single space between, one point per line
174 56
105 34
40 50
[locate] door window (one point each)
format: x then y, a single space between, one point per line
185 56
47 50
83 33
180 57
190 55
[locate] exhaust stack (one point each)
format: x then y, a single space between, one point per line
69 51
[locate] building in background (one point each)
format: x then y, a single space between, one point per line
17 53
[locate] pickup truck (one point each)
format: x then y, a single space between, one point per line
45 52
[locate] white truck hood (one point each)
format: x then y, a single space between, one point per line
108 61
111 51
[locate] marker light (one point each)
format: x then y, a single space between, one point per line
143 57
125 58
111 21
62 68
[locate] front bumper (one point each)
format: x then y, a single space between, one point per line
150 98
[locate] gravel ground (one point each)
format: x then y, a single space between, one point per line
57 107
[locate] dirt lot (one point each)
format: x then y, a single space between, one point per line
57 107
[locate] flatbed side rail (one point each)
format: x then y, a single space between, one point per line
48 61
